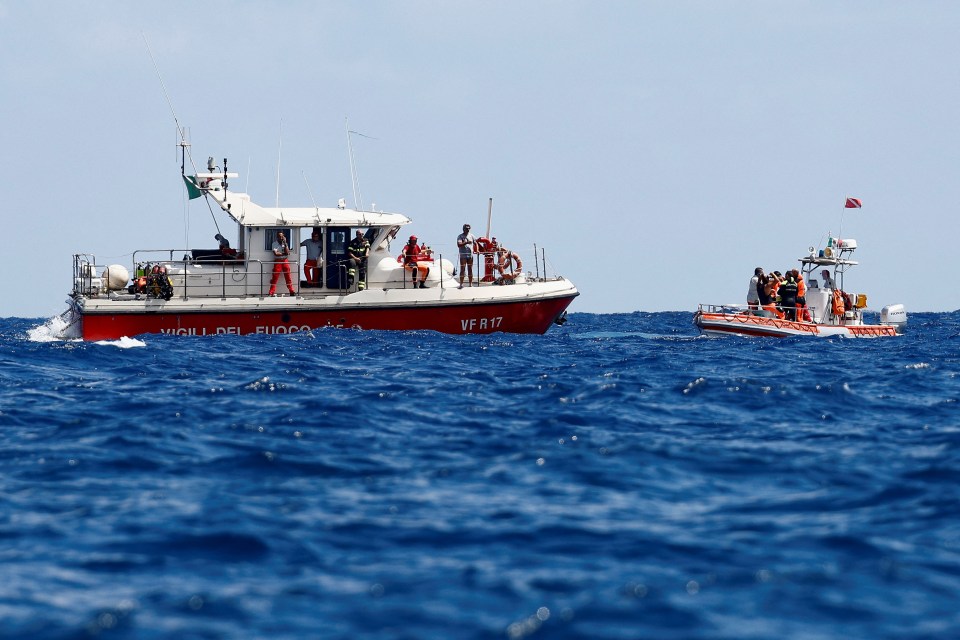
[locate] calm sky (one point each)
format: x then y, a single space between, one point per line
658 151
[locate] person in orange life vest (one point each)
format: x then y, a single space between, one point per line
775 290
768 295
507 259
411 254
281 264
803 311
311 266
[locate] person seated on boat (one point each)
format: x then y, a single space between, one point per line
509 265
803 312
766 291
311 266
788 296
225 249
357 252
828 282
411 256
753 300
281 264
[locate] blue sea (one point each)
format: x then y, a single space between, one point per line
619 477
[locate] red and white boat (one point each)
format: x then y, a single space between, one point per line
832 312
227 293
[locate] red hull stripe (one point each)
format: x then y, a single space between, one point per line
511 317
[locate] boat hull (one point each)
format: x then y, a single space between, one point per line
745 324
101 320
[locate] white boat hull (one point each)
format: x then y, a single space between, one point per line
746 324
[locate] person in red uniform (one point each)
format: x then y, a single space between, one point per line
411 262
281 264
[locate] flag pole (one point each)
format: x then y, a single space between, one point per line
840 234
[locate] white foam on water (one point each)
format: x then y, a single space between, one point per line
59 328
123 343
54 329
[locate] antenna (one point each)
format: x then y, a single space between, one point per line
279 149
309 190
164 87
357 195
182 136
353 168
489 216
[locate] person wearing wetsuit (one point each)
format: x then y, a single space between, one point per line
788 296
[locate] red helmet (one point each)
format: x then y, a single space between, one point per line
413 238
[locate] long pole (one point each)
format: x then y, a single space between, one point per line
489 216
279 150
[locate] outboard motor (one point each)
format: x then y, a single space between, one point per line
894 314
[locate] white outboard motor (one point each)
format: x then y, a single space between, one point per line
894 314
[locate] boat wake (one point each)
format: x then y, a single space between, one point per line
593 335
64 328
57 328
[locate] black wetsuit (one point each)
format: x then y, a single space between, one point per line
788 298
762 294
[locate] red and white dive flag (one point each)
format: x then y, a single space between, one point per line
853 203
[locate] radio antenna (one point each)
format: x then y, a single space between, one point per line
164 87
279 149
357 201
357 195
184 145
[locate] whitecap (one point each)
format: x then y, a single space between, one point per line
54 329
123 343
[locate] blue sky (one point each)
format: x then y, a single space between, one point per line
658 151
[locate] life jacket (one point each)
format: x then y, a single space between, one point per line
838 306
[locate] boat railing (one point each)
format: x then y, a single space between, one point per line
724 308
230 271
245 276
765 312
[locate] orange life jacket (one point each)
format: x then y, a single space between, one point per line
838 306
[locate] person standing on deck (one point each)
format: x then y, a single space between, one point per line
753 299
767 292
311 266
357 251
281 264
788 296
467 245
